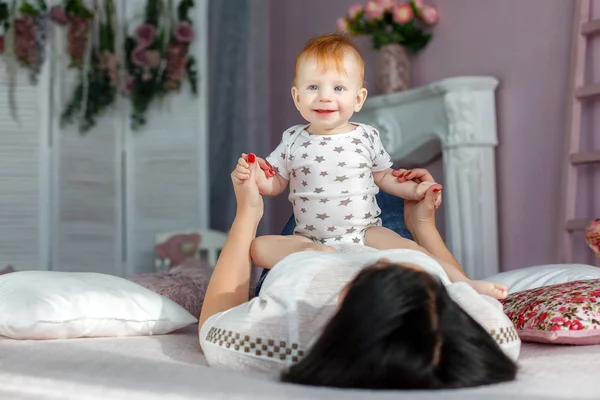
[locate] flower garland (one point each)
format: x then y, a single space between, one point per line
25 28
157 57
91 48
30 35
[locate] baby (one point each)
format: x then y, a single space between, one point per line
335 167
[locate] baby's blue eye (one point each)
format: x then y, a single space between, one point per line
339 88
312 87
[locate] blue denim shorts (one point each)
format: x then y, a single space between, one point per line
392 217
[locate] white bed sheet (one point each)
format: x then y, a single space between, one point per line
172 367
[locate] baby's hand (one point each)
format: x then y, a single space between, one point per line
421 189
242 170
264 174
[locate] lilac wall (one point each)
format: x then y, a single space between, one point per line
525 44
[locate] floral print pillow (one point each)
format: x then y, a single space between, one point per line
567 313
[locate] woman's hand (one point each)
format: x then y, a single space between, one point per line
421 213
247 195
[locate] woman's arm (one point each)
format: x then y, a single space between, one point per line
230 280
430 239
420 218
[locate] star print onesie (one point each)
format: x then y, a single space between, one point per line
331 181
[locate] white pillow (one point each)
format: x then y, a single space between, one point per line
545 275
64 305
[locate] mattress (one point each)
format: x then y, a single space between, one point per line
172 367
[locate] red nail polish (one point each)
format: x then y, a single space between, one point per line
437 190
251 158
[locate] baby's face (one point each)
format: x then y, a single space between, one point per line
327 98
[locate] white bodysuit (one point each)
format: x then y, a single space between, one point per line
331 181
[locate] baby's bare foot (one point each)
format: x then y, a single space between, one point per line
495 290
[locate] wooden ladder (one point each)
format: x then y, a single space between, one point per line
579 91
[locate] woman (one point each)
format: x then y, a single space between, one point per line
365 319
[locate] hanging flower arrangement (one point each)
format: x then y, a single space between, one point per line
157 57
30 26
91 49
25 27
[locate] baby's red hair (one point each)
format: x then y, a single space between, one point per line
328 50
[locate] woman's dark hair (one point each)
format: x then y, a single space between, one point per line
397 328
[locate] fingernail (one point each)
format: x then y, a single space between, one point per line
437 190
251 158
270 166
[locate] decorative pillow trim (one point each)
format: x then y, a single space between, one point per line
264 348
505 335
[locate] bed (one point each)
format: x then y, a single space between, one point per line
455 117
172 367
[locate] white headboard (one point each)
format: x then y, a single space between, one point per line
457 117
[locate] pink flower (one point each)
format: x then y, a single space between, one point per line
419 4
145 35
176 61
373 9
576 326
542 317
354 10
403 13
341 25
128 85
59 15
138 56
152 58
430 15
183 32
555 327
580 299
387 4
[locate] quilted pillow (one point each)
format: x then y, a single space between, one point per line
185 284
567 313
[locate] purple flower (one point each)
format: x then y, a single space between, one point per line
138 56
145 35
184 32
59 15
